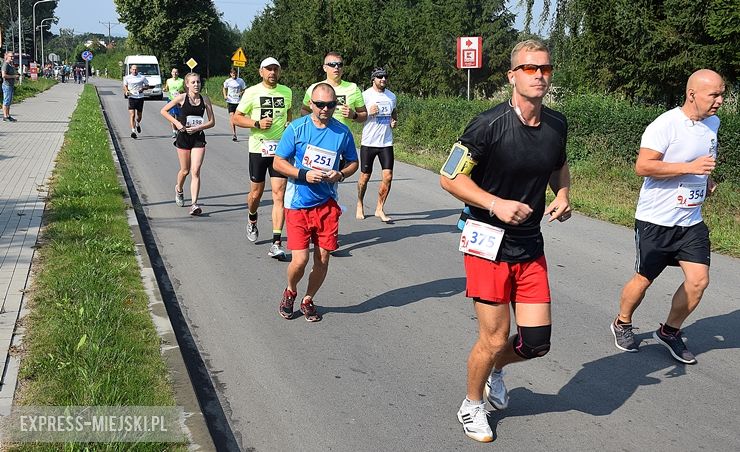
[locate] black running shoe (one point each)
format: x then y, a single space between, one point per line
133 134
674 343
624 337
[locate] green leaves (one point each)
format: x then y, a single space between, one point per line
644 49
177 30
414 39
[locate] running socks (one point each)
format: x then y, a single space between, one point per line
667 329
253 217
276 236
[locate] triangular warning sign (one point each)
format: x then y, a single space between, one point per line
239 56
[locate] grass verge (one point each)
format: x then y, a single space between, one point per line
90 340
30 88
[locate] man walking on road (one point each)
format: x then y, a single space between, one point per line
501 168
309 153
265 108
10 75
377 141
134 85
232 90
678 153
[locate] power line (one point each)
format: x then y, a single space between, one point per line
109 24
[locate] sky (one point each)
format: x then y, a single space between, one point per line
85 16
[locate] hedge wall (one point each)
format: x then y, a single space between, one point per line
600 127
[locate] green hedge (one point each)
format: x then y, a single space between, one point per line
601 127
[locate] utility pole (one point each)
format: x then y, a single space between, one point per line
109 24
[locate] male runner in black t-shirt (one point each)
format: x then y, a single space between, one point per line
501 168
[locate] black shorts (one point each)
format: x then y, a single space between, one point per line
367 158
136 104
186 141
259 166
661 246
231 107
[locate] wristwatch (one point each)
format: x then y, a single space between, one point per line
257 125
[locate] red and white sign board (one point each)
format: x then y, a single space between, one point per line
470 52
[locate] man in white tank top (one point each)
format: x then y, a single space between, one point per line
678 153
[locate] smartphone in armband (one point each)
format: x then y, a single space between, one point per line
458 162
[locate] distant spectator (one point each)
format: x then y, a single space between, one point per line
9 74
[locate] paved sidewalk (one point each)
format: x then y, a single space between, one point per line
28 150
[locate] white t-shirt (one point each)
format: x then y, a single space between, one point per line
676 201
234 87
377 130
135 85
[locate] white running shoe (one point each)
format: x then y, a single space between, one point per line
252 232
276 251
179 198
496 392
474 419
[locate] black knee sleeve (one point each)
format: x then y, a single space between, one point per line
532 341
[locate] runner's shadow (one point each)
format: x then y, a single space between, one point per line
425 215
441 288
604 385
361 239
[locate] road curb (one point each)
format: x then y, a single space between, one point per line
196 425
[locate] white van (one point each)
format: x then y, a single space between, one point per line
148 66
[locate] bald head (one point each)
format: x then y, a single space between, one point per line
704 94
704 77
324 88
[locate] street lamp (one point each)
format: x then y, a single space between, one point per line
35 53
43 60
20 48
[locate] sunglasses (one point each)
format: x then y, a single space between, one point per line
334 64
531 69
321 105
382 76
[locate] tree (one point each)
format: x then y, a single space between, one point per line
177 30
9 22
644 49
414 39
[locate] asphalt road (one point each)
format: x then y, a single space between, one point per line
385 369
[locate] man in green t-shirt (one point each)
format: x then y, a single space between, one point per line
265 108
174 86
351 106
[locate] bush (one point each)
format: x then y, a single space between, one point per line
433 124
601 127
604 127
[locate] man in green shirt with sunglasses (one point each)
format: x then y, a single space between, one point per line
350 105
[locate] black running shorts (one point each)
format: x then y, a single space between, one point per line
259 166
231 107
136 104
661 246
368 154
